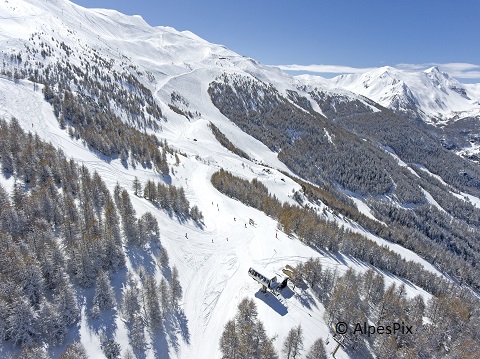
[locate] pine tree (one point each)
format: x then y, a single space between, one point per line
181 205
53 266
312 271
373 286
128 218
163 196
3 318
229 341
345 303
104 297
4 199
85 260
245 323
293 344
262 346
245 337
416 310
36 352
150 191
196 214
74 350
175 288
54 329
130 303
71 224
129 354
7 162
163 166
117 196
137 335
148 229
114 254
111 349
152 304
162 258
164 296
22 327
317 350
66 303
18 195
33 283
137 187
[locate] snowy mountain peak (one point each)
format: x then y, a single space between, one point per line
433 69
430 95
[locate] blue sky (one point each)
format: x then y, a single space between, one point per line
346 35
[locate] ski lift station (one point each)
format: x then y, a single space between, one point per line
266 283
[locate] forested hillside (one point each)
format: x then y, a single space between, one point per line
62 229
363 166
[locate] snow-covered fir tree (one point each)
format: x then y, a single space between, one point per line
104 297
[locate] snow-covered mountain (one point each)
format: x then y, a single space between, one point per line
130 101
431 95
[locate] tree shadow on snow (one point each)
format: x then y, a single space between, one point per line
167 179
393 276
102 156
199 224
337 256
272 302
306 299
124 163
160 346
140 353
139 257
56 351
118 280
167 273
170 330
105 323
176 322
183 324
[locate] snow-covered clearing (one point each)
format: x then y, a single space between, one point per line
462 195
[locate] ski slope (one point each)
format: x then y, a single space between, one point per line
212 261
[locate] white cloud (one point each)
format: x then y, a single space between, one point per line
333 69
455 69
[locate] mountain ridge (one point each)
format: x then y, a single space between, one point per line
429 95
